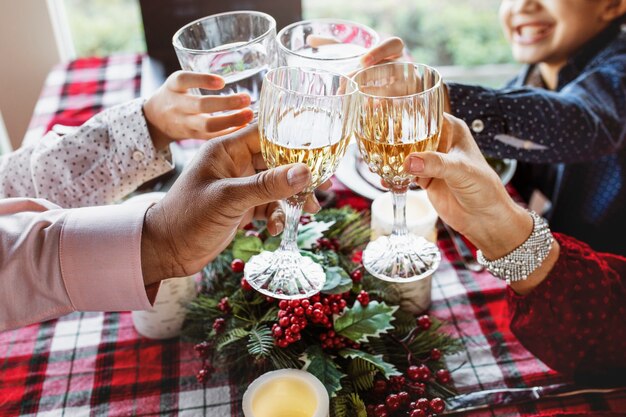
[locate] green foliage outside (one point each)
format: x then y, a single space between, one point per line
104 27
443 32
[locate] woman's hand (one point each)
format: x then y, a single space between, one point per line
173 113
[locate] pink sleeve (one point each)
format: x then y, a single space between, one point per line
54 261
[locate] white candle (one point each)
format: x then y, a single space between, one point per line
286 393
421 219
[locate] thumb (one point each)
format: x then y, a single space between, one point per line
436 165
271 185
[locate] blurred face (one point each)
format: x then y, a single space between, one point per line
550 31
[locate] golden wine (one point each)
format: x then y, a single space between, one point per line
321 161
387 159
284 397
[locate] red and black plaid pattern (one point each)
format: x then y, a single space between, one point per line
94 364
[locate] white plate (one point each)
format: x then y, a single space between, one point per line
348 174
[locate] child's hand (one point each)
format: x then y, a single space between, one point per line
388 50
173 113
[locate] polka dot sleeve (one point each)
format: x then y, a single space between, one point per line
575 320
581 122
104 160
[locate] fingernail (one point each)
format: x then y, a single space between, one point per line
279 227
368 60
416 165
318 207
298 175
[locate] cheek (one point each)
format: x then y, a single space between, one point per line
504 18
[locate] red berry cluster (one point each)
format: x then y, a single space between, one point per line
223 305
331 340
394 400
218 325
291 322
204 350
363 298
324 243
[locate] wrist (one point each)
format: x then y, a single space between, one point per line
152 252
503 233
160 139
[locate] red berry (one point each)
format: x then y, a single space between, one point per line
277 331
237 265
443 376
424 373
437 405
282 343
245 285
424 322
423 404
418 389
357 257
305 303
203 375
392 402
223 305
294 303
283 321
283 304
203 349
356 275
435 354
413 372
380 410
218 325
363 298
295 328
298 311
418 412
403 396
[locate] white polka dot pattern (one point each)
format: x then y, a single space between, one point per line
97 164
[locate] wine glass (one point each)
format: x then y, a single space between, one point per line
330 44
305 115
399 111
238 46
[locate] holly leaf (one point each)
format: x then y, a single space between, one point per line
309 233
386 368
358 323
337 281
271 243
323 368
246 247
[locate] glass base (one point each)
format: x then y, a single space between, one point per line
401 258
284 274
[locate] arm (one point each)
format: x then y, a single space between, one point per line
581 122
570 311
123 147
55 261
104 160
575 320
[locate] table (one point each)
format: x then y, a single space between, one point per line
96 364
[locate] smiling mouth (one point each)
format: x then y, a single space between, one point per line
529 34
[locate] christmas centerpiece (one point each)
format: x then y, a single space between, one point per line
373 358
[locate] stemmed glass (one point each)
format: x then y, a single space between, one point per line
330 44
305 115
238 46
399 111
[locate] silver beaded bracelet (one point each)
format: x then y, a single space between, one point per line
526 258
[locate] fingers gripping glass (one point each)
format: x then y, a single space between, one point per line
399 111
306 116
238 46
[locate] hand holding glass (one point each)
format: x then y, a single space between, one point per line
399 111
305 116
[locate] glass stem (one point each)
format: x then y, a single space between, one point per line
399 214
290 235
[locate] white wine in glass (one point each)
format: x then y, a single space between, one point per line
399 111
305 116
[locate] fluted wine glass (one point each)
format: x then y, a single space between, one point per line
305 115
399 111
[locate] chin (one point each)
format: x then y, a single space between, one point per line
527 57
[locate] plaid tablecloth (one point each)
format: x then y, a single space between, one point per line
94 364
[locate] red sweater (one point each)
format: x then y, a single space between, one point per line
575 320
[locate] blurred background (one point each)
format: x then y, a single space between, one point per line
461 37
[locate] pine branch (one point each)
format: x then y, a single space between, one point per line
357 405
231 337
260 341
362 373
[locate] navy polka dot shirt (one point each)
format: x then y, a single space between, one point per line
571 140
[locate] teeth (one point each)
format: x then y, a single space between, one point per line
531 31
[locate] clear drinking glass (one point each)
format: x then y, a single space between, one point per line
399 111
238 46
330 44
305 115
